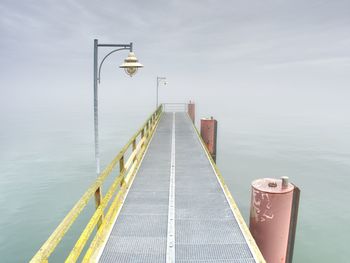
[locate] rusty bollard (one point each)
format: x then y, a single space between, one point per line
191 111
209 135
273 218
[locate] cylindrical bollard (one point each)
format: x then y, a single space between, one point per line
209 135
273 216
191 111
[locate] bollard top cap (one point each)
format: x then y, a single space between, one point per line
272 185
211 118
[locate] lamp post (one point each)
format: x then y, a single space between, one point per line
130 65
159 80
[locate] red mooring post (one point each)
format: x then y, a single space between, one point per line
273 218
209 135
191 111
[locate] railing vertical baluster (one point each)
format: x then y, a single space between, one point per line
142 135
98 199
134 148
147 129
121 169
134 145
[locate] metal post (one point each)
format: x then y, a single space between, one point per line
157 92
98 196
159 79
97 151
97 78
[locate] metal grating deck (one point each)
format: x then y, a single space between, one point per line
206 230
205 227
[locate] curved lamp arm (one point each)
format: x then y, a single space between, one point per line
99 68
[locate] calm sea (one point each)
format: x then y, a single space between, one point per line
47 162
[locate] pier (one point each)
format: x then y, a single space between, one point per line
168 202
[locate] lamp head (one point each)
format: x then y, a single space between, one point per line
131 64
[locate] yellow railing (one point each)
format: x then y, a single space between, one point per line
103 221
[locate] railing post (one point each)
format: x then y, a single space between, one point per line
121 169
134 145
133 149
98 199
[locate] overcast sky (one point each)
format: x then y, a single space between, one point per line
249 56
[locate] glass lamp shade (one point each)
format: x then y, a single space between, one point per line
130 71
131 64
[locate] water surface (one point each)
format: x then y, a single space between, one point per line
47 162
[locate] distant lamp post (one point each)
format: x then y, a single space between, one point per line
160 80
130 65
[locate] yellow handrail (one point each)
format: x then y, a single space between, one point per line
118 188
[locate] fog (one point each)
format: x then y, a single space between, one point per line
270 57
274 73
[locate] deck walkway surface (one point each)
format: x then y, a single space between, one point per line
176 209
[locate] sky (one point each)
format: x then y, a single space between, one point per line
264 57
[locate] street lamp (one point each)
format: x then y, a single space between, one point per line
130 65
160 80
